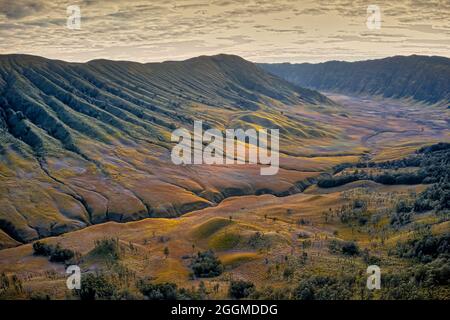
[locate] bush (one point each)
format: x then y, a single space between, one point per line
95 287
271 293
55 253
241 289
160 291
416 282
339 180
42 249
324 288
436 272
425 249
402 207
435 197
107 248
206 265
348 248
400 219
61 255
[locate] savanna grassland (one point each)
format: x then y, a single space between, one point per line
358 185
315 244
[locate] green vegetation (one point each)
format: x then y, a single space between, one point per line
435 197
55 253
107 248
430 165
325 288
241 289
348 248
425 249
96 287
160 291
206 265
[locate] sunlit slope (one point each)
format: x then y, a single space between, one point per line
86 143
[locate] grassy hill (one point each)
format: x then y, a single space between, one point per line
84 143
422 78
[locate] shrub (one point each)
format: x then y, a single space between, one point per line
42 249
324 288
241 289
339 180
206 265
108 248
402 207
435 197
55 253
96 287
359 204
425 249
271 293
160 291
400 219
348 248
61 255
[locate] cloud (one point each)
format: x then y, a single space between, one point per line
261 30
17 9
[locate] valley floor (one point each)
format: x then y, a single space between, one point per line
273 242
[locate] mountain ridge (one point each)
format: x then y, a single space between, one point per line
86 143
422 78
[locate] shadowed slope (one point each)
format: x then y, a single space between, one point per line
421 78
86 143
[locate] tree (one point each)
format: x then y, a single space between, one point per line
95 287
166 251
206 265
241 289
160 291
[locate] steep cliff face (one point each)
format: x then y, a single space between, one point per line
421 78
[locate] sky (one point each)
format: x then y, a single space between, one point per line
257 30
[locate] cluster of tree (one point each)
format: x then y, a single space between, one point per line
241 289
170 291
337 181
434 168
355 212
206 265
422 281
394 178
429 156
54 253
108 248
325 288
348 248
96 287
435 197
402 215
161 291
425 249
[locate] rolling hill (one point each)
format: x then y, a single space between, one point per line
85 143
422 78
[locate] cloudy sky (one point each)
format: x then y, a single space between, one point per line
258 30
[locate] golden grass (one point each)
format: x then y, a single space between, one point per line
235 259
208 228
